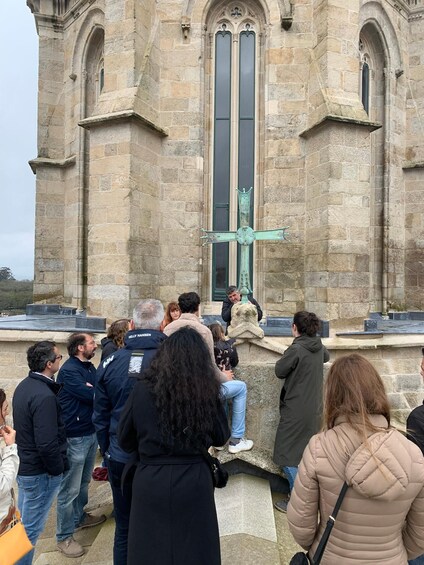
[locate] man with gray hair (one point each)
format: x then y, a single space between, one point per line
115 378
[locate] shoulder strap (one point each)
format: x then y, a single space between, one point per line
330 523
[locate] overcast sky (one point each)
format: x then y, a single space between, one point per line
18 135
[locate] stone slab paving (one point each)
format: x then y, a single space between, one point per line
287 547
101 551
252 532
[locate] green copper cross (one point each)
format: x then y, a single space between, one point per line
245 236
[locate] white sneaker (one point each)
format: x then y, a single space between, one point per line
243 445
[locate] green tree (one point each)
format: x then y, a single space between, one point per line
6 274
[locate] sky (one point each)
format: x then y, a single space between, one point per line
18 136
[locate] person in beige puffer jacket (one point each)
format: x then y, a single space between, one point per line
381 519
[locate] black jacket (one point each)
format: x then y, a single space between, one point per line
302 368
108 347
40 431
226 356
173 516
415 426
76 396
113 386
227 305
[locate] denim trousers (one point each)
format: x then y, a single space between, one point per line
122 508
36 496
73 492
417 561
237 391
290 473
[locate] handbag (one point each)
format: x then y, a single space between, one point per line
14 542
219 474
301 558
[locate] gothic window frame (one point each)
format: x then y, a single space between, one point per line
100 76
241 20
366 75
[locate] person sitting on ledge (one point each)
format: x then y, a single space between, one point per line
233 297
189 304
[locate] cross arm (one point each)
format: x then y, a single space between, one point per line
218 237
268 235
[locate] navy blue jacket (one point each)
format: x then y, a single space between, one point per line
415 426
40 431
113 386
76 397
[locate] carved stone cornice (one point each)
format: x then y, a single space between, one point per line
372 126
122 116
55 163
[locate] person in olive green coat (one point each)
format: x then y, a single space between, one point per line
301 397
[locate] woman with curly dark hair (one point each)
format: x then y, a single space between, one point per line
173 516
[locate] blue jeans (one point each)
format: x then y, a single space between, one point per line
237 391
417 561
73 493
122 508
290 473
36 495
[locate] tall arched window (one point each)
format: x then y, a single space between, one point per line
365 82
372 92
365 86
234 41
100 76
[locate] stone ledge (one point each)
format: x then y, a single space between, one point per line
372 126
122 116
258 463
54 163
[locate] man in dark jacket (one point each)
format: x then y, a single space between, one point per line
41 439
415 421
77 377
233 297
115 379
415 432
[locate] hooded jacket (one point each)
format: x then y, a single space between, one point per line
113 386
302 368
381 519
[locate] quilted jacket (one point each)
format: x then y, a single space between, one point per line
381 519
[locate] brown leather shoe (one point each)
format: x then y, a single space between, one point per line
90 520
70 547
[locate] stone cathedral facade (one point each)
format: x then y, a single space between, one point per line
152 112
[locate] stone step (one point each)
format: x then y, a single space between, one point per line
246 522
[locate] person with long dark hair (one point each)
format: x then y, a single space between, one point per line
225 351
302 368
381 518
174 406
